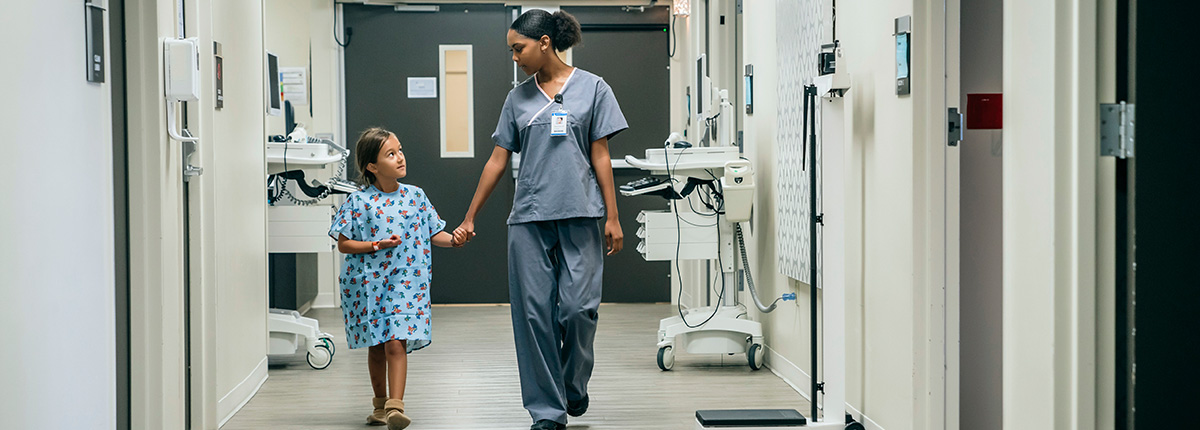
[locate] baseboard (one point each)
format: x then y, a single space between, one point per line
865 420
325 301
241 394
795 377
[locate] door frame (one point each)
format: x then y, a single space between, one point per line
935 214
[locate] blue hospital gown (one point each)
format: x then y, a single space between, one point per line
385 294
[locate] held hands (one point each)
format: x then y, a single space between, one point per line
464 233
613 237
460 239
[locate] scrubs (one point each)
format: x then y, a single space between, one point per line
555 236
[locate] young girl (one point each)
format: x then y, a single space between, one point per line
564 213
385 231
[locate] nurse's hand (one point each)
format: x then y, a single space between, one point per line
613 236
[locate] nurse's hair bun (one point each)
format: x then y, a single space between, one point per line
562 28
566 31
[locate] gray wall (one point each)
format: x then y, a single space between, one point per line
981 224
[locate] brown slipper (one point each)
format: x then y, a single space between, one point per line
377 417
394 415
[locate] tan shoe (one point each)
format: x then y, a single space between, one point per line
394 415
377 416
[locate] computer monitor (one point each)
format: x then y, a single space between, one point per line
274 95
701 86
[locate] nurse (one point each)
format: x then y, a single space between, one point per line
564 213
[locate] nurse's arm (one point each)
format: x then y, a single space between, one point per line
492 172
602 164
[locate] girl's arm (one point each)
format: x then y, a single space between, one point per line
446 240
350 246
492 172
602 164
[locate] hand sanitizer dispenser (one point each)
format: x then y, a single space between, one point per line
738 188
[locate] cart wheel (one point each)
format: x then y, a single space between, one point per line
321 359
855 426
329 344
755 357
666 358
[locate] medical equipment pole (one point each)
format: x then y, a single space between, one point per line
810 102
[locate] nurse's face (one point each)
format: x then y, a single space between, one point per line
529 54
390 164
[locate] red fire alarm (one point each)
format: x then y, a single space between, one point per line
985 111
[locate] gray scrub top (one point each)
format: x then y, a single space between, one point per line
557 179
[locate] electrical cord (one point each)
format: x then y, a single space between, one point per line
678 241
349 32
674 38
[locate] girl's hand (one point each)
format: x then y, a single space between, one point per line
390 242
466 230
460 238
613 237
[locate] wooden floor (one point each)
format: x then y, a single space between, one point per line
467 379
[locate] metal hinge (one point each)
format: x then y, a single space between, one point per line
954 132
1117 129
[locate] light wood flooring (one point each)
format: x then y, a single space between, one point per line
467 379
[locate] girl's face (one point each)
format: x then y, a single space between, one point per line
529 54
390 163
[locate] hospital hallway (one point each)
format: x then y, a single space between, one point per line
467 379
744 214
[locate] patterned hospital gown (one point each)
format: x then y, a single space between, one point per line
385 294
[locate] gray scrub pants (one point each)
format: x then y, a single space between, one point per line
554 277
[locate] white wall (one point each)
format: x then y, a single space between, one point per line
225 217
235 171
1050 217
890 272
57 282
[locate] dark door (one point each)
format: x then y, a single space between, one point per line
387 47
628 48
1158 371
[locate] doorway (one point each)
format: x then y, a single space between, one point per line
120 142
1157 237
981 241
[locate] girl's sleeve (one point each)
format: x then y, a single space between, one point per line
607 119
345 222
506 133
431 218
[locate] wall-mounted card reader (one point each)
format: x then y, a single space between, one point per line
94 22
903 54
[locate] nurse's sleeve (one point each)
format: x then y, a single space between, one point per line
506 129
434 222
347 220
607 119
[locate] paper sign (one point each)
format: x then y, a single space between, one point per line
294 81
422 88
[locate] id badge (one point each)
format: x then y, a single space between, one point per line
558 124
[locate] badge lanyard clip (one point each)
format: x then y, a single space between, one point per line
558 119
